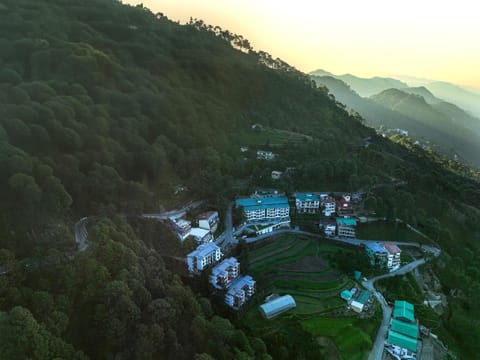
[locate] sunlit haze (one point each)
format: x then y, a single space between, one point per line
428 39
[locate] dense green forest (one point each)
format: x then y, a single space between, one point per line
104 108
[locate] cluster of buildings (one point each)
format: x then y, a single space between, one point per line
314 203
265 155
358 301
207 225
403 334
226 276
384 255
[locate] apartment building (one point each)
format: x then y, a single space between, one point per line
225 273
346 227
272 209
328 206
240 291
181 227
393 256
203 256
307 203
209 220
201 236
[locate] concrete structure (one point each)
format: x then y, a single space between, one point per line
377 253
225 273
346 227
209 220
262 229
276 175
277 306
181 227
203 256
393 257
265 155
404 330
328 206
329 226
240 291
307 203
272 209
202 236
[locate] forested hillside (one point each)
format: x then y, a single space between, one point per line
104 108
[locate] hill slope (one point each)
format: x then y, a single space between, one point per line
104 108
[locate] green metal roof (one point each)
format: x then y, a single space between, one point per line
363 297
403 309
346 294
404 328
346 221
402 341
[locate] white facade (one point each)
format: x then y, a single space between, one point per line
329 206
209 221
181 227
356 306
202 236
307 203
203 256
272 227
393 256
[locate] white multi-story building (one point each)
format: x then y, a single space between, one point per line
307 203
240 291
225 273
203 256
209 220
274 209
328 204
265 155
393 256
202 236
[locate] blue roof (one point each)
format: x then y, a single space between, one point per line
277 306
272 202
376 247
307 197
347 221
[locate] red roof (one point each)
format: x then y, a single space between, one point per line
392 248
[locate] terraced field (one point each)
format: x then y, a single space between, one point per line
303 268
274 137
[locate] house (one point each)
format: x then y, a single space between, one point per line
329 226
202 236
328 206
272 209
244 149
346 295
265 155
404 330
240 291
344 206
209 220
346 227
225 273
393 257
203 256
307 203
377 253
181 227
276 175
277 306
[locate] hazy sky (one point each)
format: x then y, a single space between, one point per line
430 39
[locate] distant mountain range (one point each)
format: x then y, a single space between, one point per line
465 98
417 110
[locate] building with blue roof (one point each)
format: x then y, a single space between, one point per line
272 209
346 227
377 253
307 203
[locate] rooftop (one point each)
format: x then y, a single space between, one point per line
198 232
376 247
277 306
363 297
262 203
346 294
402 341
404 328
403 309
240 283
204 250
306 197
346 221
230 262
392 248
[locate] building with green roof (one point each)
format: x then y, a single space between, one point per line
364 296
403 341
404 328
346 295
403 310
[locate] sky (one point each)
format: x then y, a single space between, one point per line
437 40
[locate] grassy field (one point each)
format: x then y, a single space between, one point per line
382 230
299 267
